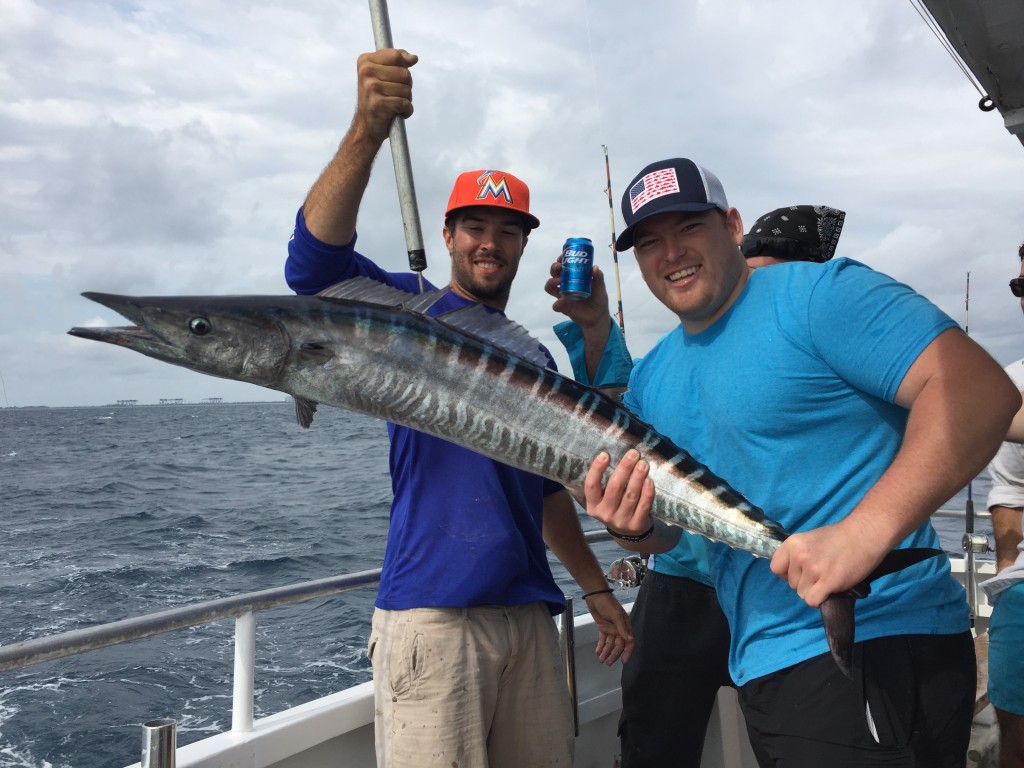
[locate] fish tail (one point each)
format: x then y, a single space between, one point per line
837 610
837 616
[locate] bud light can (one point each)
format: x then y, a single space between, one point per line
577 268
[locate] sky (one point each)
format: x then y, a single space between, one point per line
163 147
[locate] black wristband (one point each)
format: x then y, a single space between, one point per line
598 592
634 539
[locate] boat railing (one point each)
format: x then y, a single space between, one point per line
242 608
957 514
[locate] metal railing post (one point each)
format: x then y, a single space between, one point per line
245 664
158 744
568 643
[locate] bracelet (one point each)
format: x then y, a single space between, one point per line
634 539
604 591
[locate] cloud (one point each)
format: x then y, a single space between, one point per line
155 147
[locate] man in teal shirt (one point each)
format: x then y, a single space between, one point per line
849 408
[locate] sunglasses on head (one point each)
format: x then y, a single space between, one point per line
1017 287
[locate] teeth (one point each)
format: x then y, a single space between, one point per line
682 273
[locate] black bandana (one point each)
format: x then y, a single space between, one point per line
796 233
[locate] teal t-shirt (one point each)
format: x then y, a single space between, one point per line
789 398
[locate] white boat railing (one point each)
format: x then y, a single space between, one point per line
945 512
242 608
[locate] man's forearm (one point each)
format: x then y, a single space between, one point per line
595 339
332 205
1006 525
564 537
1015 434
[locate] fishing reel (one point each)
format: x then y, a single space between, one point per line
627 572
976 543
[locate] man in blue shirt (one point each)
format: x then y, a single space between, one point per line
464 649
849 408
681 632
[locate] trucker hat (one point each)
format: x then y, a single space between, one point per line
491 188
668 186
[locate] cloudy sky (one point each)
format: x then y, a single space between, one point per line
163 147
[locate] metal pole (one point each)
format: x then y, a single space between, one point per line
971 577
400 155
158 744
568 642
245 663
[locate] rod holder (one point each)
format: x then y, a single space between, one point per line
158 743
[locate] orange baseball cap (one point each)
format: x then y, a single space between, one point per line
491 188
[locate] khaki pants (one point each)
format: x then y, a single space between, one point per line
478 687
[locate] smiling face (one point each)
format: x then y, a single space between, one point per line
692 263
485 244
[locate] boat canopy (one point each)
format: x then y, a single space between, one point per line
989 37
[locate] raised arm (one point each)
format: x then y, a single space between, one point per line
384 91
595 344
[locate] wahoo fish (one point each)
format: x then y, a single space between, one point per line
470 376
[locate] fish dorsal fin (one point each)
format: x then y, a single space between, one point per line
498 329
476 320
374 292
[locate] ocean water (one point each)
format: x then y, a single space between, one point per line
113 512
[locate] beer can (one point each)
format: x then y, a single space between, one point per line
577 268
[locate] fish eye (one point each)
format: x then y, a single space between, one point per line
200 326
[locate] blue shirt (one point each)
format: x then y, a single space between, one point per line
789 397
465 530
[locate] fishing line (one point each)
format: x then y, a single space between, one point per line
4 387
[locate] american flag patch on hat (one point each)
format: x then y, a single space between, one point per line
652 186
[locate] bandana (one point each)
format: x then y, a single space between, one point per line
796 233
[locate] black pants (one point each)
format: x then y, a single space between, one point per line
670 683
919 690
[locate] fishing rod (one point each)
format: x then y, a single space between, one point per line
969 507
400 155
615 252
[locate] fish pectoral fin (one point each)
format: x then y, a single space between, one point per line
837 616
304 410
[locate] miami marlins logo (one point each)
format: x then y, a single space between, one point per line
489 187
